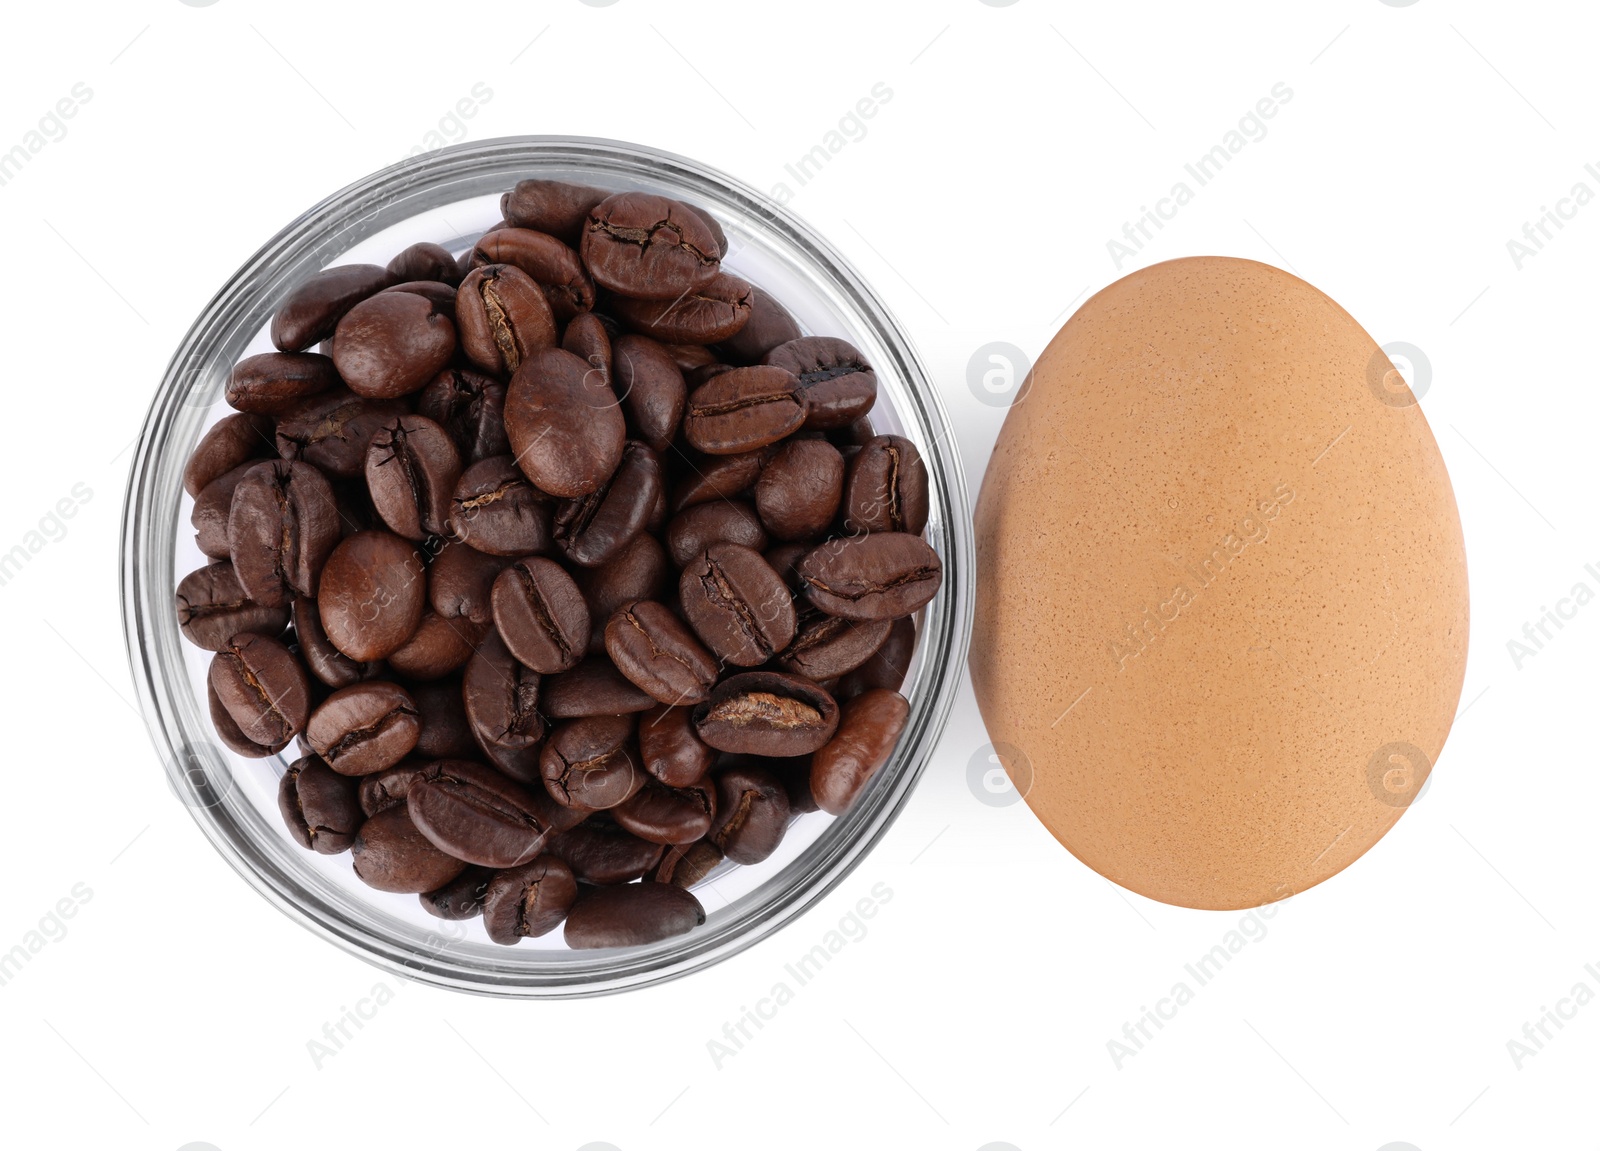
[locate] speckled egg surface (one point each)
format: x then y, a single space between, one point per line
1221 619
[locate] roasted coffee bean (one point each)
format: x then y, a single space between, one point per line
590 763
274 382
213 608
471 408
691 358
705 315
390 853
686 864
331 431
462 897
767 713
501 697
869 727
228 444
392 344
655 650
785 558
209 516
826 646
798 493
704 372
593 529
282 526
552 206
648 247
365 727
263 688
441 296
444 732
752 813
504 318
425 261
631 915
693 530
319 806
371 595
566 427
594 687
737 604
387 788
327 663
709 478
461 581
496 510
586 337
547 261
528 901
228 731
880 576
438 647
598 851
476 814
652 389
887 488
669 748
887 666
664 814
794 772
313 310
640 571
839 384
744 409
541 614
412 468
769 325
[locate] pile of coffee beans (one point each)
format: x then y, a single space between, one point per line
573 567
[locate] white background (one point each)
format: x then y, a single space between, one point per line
1376 1010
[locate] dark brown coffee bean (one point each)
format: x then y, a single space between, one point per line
461 581
631 915
744 409
797 496
496 510
593 529
669 748
693 530
652 389
664 814
752 813
392 344
445 733
594 687
387 788
640 571
263 688
587 338
470 407
371 595
412 468
274 382
501 697
528 901
794 772
769 325
365 727
869 727
327 663
659 654
475 813
598 851
228 444
228 731
648 247
425 261
282 525
462 897
313 310
590 763
331 431
442 296
785 558
504 318
737 604
709 478
552 206
887 666
691 358
541 614
880 576
686 864
706 315
826 646
767 713
887 488
547 261
839 384
213 608
319 806
209 516
564 422
438 647
391 854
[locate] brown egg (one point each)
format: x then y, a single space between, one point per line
1221 620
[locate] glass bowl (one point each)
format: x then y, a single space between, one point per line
451 197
